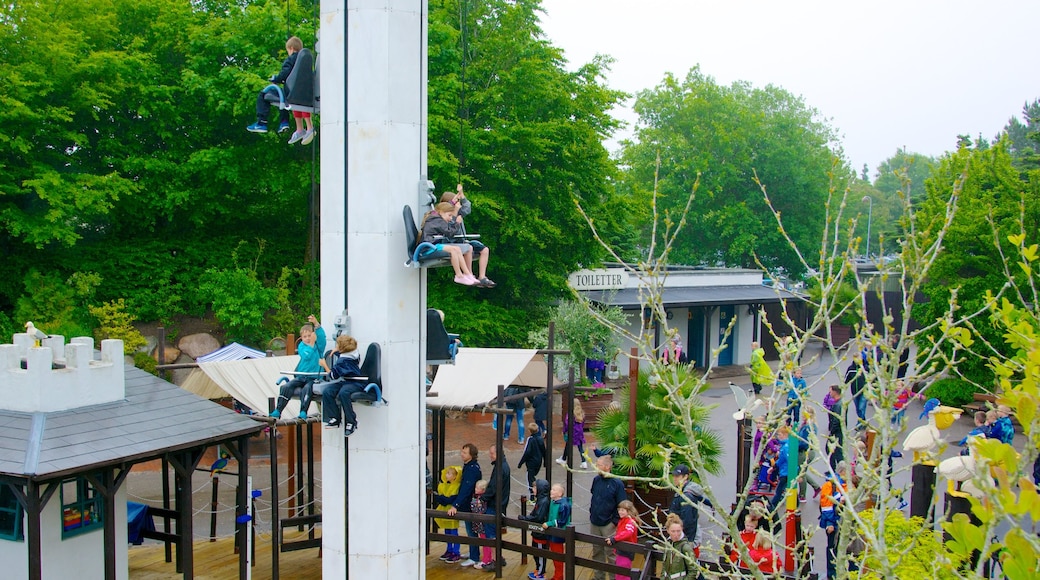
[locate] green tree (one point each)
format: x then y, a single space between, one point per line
524 135
902 175
730 139
1024 137
991 195
125 149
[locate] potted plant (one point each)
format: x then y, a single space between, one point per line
660 436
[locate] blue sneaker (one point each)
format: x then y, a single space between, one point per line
276 414
257 128
283 127
303 415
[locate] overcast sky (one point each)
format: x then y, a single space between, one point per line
886 73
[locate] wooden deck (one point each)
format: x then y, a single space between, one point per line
218 561
514 570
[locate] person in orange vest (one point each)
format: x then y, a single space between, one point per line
832 493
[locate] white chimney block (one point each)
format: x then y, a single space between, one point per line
24 342
78 355
10 357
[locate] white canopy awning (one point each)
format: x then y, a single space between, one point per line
251 381
474 378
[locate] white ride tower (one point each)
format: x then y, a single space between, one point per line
373 156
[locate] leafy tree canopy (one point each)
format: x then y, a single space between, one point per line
991 194
123 145
524 135
724 137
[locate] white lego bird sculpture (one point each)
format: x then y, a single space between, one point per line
957 468
35 333
962 469
924 439
746 404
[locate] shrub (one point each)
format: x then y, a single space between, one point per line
115 322
240 301
145 362
912 546
952 392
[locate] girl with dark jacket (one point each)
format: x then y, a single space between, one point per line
539 515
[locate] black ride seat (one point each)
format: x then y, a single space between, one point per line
301 87
438 340
370 367
418 258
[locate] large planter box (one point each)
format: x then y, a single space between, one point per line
591 406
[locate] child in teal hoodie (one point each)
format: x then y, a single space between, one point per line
311 351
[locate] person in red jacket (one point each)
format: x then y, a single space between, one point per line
627 531
762 553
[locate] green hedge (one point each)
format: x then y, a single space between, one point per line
952 392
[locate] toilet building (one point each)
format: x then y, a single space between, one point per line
699 303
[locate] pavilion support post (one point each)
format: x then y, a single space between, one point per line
276 520
240 452
550 393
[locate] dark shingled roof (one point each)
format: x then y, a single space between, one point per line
156 417
628 298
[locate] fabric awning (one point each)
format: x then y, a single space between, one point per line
198 382
474 378
233 351
251 381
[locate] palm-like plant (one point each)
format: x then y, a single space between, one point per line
671 426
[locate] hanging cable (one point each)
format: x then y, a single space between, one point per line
463 113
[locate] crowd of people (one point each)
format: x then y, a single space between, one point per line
611 514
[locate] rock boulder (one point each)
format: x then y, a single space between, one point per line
196 345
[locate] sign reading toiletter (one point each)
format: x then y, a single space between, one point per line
598 279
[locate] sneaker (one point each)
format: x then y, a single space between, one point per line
276 414
561 461
897 454
453 558
815 493
444 557
903 505
464 280
466 562
483 565
257 128
334 422
308 136
520 441
487 283
348 429
302 415
296 136
584 464
536 576
283 127
472 280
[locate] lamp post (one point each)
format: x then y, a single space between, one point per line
870 214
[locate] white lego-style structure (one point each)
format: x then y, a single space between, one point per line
59 376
